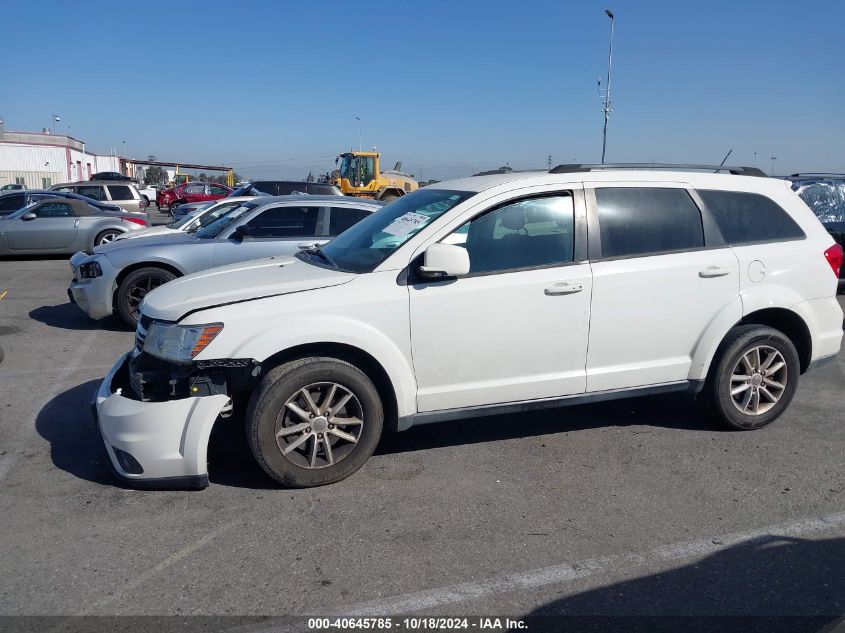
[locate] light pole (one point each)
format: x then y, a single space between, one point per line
357 118
755 159
606 108
774 158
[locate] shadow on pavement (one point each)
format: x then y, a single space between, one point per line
772 583
75 444
670 411
68 317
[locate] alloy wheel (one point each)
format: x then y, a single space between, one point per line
319 425
758 380
140 289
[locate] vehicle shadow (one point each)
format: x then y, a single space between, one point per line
75 444
771 583
672 411
67 316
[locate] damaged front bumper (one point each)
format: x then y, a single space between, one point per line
155 444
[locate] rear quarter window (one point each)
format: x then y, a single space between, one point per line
120 192
745 218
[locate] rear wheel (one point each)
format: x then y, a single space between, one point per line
106 237
134 287
314 421
755 377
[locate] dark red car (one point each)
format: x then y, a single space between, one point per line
190 192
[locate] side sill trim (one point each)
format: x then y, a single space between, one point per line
429 417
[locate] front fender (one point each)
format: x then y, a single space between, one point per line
337 329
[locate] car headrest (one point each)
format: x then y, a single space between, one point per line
513 218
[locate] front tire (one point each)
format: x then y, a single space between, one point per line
754 378
314 421
134 287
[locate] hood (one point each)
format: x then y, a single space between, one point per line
166 239
247 281
149 232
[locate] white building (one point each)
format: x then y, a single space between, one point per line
40 160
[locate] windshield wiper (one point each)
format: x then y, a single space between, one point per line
316 250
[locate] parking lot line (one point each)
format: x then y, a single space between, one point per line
8 461
567 572
3 294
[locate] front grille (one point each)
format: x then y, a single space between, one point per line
141 332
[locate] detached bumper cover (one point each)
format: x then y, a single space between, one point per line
166 441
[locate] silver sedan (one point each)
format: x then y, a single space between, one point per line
118 276
62 225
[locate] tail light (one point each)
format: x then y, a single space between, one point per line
833 255
140 221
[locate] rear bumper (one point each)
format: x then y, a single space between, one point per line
154 444
824 320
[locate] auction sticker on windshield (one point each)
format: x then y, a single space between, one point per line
405 224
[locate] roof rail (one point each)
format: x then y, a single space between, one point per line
737 171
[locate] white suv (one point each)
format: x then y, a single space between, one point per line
478 296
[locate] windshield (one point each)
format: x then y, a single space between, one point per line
200 220
248 190
826 197
211 231
367 244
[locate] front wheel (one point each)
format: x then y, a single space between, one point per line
134 287
314 421
755 377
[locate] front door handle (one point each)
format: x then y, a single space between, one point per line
563 288
714 271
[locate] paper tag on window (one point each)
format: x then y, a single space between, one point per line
406 224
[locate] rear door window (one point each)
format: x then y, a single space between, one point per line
640 221
91 191
285 222
217 191
120 192
744 218
341 218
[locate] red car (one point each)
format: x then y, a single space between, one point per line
190 192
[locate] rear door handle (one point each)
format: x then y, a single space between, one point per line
564 288
714 271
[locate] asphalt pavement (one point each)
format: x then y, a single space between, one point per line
630 507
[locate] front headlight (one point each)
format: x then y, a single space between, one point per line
91 270
180 343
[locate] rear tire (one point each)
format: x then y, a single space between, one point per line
320 446
106 237
134 287
754 377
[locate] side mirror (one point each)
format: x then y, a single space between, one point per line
444 260
241 232
29 215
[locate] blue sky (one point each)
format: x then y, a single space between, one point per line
449 88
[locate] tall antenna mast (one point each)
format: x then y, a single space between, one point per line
606 91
